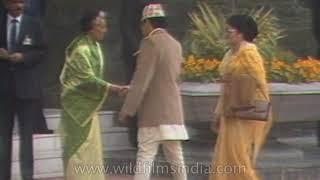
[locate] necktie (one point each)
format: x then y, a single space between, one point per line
13 36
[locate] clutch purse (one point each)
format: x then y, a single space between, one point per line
246 108
259 110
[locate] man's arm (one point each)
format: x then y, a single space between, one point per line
143 75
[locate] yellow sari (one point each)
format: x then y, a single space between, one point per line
87 163
239 141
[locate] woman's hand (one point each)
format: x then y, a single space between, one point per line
123 91
120 90
115 88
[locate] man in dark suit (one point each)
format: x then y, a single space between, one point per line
22 49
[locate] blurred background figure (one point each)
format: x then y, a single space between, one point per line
22 51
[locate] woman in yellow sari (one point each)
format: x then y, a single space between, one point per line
239 140
83 93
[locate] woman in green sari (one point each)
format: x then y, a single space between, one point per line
83 93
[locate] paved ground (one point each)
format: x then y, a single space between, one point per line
113 178
293 155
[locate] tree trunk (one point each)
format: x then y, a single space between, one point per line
315 7
316 23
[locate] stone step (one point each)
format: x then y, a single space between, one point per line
49 167
276 161
286 153
48 149
112 178
48 153
53 117
48 162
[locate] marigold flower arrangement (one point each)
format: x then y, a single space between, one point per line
300 71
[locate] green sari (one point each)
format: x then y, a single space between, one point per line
83 93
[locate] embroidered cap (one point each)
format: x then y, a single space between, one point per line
153 10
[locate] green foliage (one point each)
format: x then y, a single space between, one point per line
269 32
207 37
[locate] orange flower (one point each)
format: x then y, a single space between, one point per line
303 70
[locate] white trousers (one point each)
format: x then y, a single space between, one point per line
148 145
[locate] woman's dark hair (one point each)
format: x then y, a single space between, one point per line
88 17
244 24
158 22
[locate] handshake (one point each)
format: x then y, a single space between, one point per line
120 90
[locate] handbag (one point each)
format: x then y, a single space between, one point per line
259 110
256 110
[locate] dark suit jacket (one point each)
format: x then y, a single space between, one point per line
23 78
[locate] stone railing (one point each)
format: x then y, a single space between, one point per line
291 102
